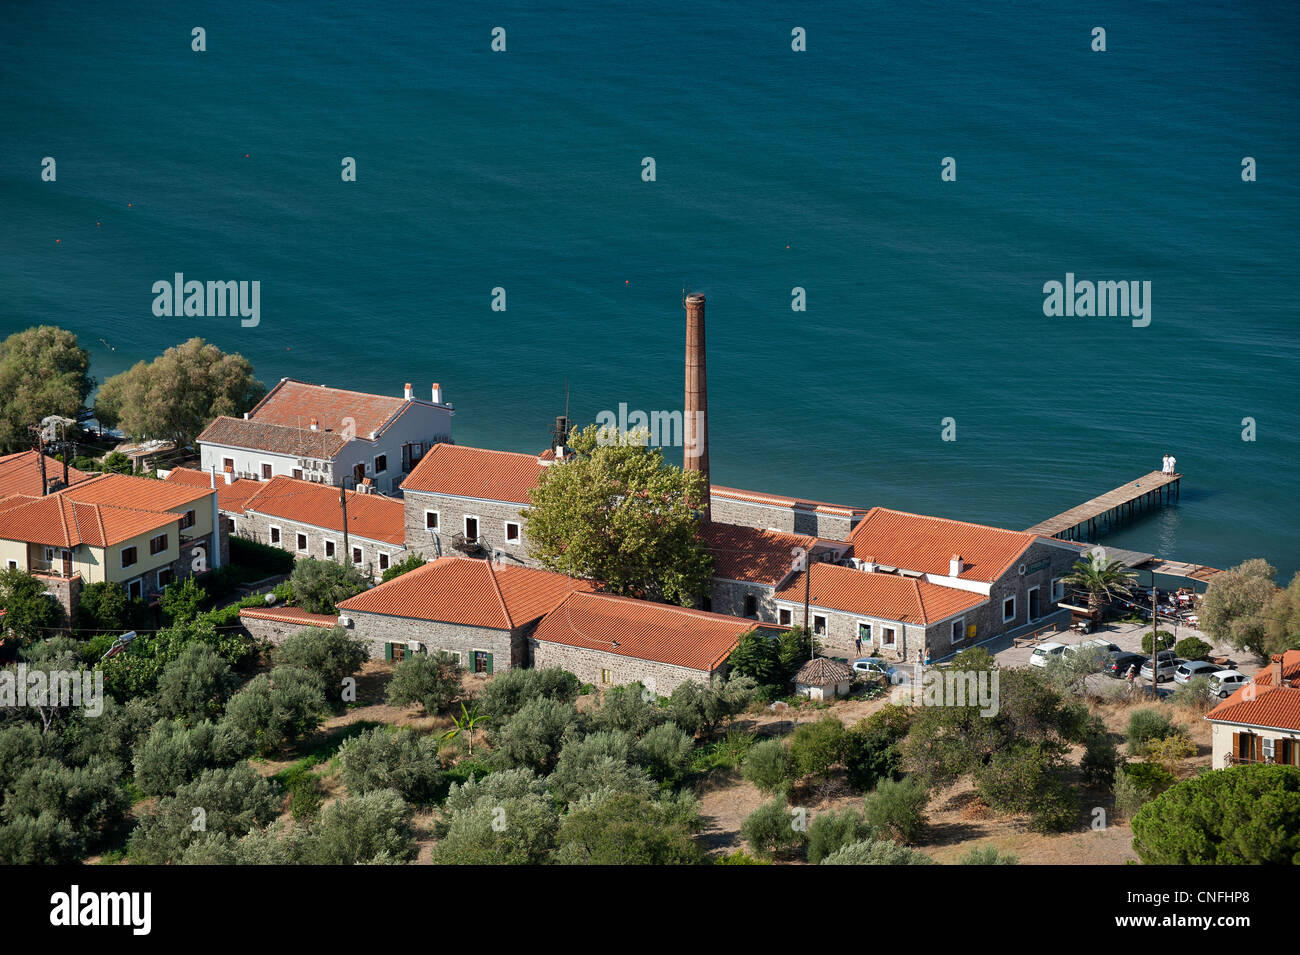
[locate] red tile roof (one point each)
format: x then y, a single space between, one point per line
824 672
751 555
780 500
293 404
273 438
926 544
21 473
230 497
888 596
372 516
1263 704
475 593
643 630
475 472
290 615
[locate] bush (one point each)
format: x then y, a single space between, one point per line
877 852
196 684
739 857
506 693
40 840
494 788
306 794
897 808
533 737
274 711
320 586
182 600
259 560
872 749
1100 759
516 830
1147 725
624 828
430 679
29 613
758 657
988 855
1195 693
1171 750
332 655
1166 640
770 830
90 797
230 801
1192 648
104 607
768 766
832 831
409 563
597 762
115 462
401 761
1056 808
174 754
816 747
665 752
371 828
630 709
699 710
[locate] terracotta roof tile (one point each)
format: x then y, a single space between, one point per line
294 403
781 500
751 555
292 615
824 672
1263 704
371 516
230 497
888 596
21 473
926 544
475 472
475 593
643 630
273 438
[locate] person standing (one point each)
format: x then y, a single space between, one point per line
1173 464
1164 464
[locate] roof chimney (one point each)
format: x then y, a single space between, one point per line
695 420
315 425
869 564
437 393
955 566
1275 669
409 393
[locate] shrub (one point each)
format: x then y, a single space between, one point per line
174 754
1171 750
1195 693
506 693
274 711
832 831
897 808
306 794
816 747
1192 648
371 828
232 801
40 840
877 852
332 655
105 607
597 762
89 797
533 737
494 788
665 752
770 830
768 766
430 679
624 828
320 585
115 462
260 560
739 857
409 563
700 709
196 684
872 749
1100 759
630 709
1056 808
401 761
1147 725
988 855
516 830
1137 783
1166 640
182 600
758 657
29 613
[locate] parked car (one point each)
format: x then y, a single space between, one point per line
874 666
1117 664
1166 665
1227 682
1193 668
1105 646
1046 652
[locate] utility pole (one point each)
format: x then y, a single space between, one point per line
1155 641
807 593
343 499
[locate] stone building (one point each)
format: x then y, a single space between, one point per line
750 565
777 512
482 612
823 679
274 624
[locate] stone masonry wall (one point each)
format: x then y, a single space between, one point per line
507 647
452 512
659 678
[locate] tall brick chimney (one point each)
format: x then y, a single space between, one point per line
695 417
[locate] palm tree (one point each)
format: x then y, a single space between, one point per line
465 723
1101 578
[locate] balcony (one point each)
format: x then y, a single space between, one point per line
51 568
472 546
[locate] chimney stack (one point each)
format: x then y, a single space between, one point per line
315 425
955 566
695 420
408 394
437 393
869 564
1275 666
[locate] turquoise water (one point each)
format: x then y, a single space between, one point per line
774 169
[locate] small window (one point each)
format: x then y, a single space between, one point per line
329 549
232 524
383 561
13 565
128 556
482 661
228 464
1058 588
356 555
958 631
512 532
165 577
158 544
187 520
302 543
275 535
819 624
751 605
783 617
864 632
471 528
431 520
381 463
887 636
266 472
135 589
297 472
606 676
1009 610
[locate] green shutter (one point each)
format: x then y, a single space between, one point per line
489 664
388 651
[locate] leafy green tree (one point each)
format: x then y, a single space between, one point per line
21 745
601 760
831 831
182 600
1163 638
872 749
465 725
1100 759
273 711
114 734
115 462
43 371
1282 632
196 684
1147 725
1242 815
758 656
768 766
516 830
29 612
231 801
506 693
494 788
176 395
1192 648
409 563
614 513
625 828
1237 605
1101 579
174 754
630 708
534 736
402 761
897 808
46 839
430 679
371 828
699 710
665 751
320 586
90 797
817 747
772 830
105 607
877 852
332 655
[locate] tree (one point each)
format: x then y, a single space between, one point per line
630 708
430 679
1283 629
176 395
772 830
332 655
1162 639
29 612
831 831
897 808
196 684
90 797
665 751
625 828
872 750
182 600
614 513
319 586
273 711
406 565
506 693
816 747
1192 648
599 761
174 754
371 828
515 830
758 657
43 371
533 737
41 840
768 766
1101 579
699 709
105 607
230 801
465 725
877 852
1237 605
398 760
1242 815
115 462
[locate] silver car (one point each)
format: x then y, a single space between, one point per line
1166 666
1193 668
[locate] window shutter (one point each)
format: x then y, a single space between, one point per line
388 651
489 664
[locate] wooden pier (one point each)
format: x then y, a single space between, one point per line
1112 508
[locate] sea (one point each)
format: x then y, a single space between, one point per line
613 155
